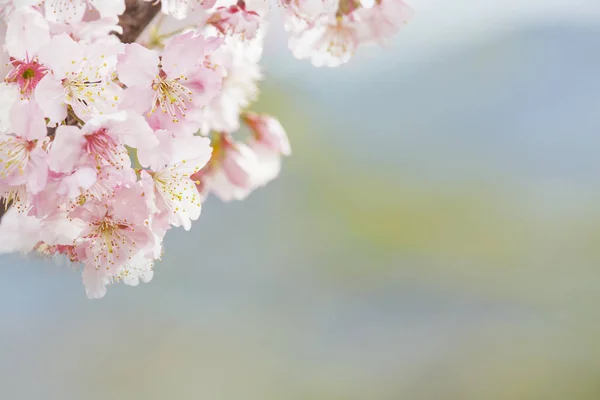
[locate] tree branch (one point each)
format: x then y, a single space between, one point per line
137 16
3 208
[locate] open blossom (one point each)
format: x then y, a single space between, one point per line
383 20
115 233
26 74
236 19
269 142
26 33
22 158
329 32
170 178
172 86
230 172
331 42
237 168
106 146
100 142
81 78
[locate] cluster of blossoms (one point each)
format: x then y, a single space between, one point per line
104 146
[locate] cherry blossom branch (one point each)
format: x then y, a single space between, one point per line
137 16
106 146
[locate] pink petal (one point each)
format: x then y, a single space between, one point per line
26 33
50 95
27 120
138 66
62 54
67 148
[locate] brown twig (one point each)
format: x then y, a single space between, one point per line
3 208
137 16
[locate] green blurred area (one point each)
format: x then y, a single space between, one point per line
486 240
355 276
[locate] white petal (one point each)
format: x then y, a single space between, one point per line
26 33
9 95
50 95
109 8
59 229
138 66
18 232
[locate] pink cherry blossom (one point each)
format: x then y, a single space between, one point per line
101 141
105 146
330 42
230 175
22 159
269 142
169 181
383 20
236 20
80 78
27 32
329 32
63 190
172 86
116 232
26 75
269 132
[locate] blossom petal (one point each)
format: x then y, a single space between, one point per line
62 54
50 95
19 232
27 32
67 148
27 120
138 66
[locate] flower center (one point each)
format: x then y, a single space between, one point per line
107 240
176 189
27 74
339 39
171 97
104 147
80 89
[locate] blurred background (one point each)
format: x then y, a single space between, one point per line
435 235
